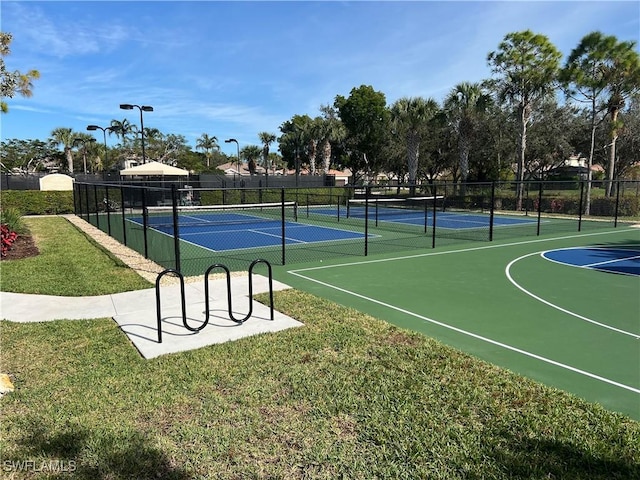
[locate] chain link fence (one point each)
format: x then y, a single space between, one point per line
186 228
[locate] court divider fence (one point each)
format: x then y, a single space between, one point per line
296 225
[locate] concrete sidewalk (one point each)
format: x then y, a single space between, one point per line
135 312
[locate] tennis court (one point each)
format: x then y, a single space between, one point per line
223 228
418 211
237 227
563 310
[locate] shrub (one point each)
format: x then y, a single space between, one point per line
7 237
12 219
38 202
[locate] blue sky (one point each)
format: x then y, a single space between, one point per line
234 69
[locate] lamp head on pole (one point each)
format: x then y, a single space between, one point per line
92 127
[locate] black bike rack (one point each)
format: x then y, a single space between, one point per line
206 293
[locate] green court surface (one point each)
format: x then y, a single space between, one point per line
576 329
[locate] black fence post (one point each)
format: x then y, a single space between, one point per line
124 220
615 221
75 199
367 191
539 207
145 221
176 232
283 227
492 210
435 208
581 206
86 201
106 204
95 199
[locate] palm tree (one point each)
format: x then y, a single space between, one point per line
208 144
409 118
251 153
13 82
267 139
331 130
121 129
463 105
64 136
314 134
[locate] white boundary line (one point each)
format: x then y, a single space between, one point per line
593 266
471 249
507 272
459 330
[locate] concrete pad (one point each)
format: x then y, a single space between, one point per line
141 324
19 307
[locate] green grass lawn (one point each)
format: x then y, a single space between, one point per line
345 396
69 264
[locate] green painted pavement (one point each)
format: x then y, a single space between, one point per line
584 339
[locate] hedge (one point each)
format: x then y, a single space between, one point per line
37 202
565 205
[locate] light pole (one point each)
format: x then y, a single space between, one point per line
104 134
84 149
233 140
142 108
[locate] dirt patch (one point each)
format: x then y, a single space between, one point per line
23 247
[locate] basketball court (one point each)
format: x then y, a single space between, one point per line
562 310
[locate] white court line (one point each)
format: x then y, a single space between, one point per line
507 271
462 250
459 330
595 265
272 235
624 259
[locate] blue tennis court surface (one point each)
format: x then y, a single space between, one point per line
234 231
606 259
451 220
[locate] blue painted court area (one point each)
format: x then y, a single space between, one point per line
450 220
625 261
234 231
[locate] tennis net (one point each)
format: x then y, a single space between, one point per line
393 209
218 215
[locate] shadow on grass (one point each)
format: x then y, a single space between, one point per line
86 454
546 458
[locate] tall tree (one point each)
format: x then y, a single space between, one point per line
628 145
12 83
266 139
65 136
589 77
624 81
409 117
551 137
331 130
164 148
27 156
366 117
314 135
526 65
208 143
251 153
464 104
294 140
122 128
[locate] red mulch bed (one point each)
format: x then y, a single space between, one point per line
23 247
